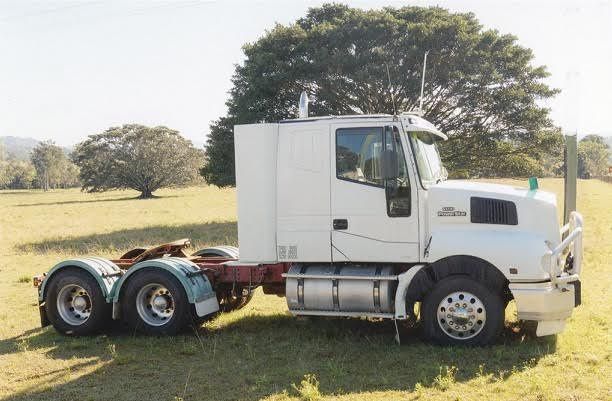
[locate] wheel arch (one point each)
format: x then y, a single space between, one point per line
105 272
196 285
477 268
227 251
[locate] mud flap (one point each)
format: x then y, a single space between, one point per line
207 306
577 293
44 321
549 327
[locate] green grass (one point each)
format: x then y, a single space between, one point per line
261 351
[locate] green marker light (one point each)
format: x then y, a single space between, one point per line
533 183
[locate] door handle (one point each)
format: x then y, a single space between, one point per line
340 224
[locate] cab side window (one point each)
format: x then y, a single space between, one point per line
359 155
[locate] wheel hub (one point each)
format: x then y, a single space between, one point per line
461 315
155 304
160 303
74 304
79 303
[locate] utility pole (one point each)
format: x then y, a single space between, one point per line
571 176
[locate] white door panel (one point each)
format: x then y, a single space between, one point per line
359 198
362 249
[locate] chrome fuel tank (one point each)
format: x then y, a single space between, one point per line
346 288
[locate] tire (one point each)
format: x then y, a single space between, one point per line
154 302
80 315
478 319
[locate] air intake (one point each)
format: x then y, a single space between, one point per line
492 211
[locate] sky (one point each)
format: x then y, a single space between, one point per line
69 69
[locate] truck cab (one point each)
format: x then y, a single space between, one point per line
362 209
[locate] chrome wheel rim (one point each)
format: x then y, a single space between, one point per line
155 304
74 304
461 315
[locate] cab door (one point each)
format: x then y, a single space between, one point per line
374 216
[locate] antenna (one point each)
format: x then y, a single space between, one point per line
390 91
423 82
303 105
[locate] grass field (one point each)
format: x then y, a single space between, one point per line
260 351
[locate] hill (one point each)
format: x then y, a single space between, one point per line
17 147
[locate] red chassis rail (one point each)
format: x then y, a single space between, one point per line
220 271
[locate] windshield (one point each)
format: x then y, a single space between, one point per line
427 157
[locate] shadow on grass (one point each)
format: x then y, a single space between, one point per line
211 233
258 355
73 202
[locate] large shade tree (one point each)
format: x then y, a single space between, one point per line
481 86
137 157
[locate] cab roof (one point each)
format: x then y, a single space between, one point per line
411 121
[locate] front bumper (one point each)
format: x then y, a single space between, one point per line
550 303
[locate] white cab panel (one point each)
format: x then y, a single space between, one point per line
303 223
255 150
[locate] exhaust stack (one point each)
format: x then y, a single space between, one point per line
304 105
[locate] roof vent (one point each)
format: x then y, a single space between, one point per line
492 211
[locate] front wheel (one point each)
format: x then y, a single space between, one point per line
462 311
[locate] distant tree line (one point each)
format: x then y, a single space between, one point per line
48 167
131 156
593 157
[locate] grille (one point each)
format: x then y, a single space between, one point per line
492 211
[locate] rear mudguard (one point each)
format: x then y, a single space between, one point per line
104 271
223 251
111 280
198 289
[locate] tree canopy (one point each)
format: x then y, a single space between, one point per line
593 156
481 87
137 157
53 168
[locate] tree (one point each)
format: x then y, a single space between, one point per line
17 174
593 155
49 161
137 157
481 88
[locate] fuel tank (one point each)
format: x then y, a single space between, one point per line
345 288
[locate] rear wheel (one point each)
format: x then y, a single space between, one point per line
75 304
155 302
462 311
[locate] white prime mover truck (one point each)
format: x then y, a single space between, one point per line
347 216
